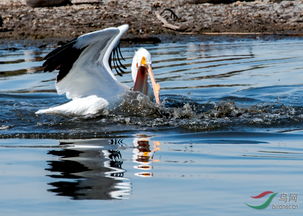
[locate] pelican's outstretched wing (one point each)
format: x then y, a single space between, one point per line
84 64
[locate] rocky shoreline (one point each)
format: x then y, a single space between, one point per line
148 18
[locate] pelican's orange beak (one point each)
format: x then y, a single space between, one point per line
141 80
145 70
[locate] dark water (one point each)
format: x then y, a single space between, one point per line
230 127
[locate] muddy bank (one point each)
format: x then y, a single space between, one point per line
147 18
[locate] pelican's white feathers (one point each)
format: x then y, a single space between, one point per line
91 73
90 82
85 72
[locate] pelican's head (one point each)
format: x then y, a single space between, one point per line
141 69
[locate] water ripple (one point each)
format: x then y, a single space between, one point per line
205 86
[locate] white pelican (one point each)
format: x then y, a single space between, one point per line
86 76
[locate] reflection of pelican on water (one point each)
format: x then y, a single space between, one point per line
90 169
143 155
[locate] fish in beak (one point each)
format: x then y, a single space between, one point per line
155 85
144 71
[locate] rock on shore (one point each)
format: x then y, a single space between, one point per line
48 3
148 18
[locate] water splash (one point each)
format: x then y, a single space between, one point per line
206 86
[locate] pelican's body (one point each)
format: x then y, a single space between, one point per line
85 74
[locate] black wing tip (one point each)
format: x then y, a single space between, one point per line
115 61
62 58
62 47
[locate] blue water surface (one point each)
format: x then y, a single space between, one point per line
230 127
